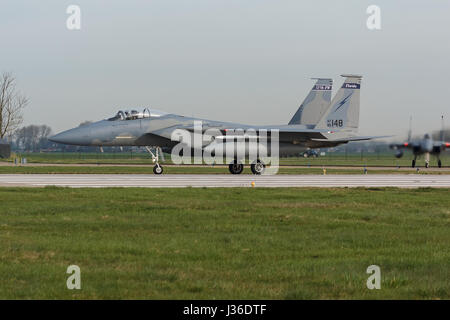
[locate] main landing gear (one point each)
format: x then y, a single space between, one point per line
157 169
427 161
236 167
413 164
257 167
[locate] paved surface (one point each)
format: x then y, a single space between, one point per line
225 180
150 165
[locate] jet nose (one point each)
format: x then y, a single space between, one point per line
59 138
76 136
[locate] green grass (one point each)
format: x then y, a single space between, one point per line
289 243
105 169
351 159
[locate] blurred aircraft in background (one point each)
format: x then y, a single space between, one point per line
424 146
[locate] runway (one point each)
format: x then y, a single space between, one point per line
223 180
150 165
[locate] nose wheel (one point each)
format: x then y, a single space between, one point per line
158 169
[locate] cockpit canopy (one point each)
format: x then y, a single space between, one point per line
134 114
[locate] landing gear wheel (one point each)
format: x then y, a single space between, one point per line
413 164
236 167
439 164
427 164
157 169
258 167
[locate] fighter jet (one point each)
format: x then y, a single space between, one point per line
319 122
425 146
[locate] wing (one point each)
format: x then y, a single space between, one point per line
442 145
285 134
406 145
355 138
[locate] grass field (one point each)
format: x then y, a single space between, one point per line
351 159
202 169
105 169
285 243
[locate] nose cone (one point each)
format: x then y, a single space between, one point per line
429 146
78 136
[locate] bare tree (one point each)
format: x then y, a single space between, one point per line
12 102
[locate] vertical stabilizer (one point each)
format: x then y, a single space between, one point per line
410 129
344 108
315 103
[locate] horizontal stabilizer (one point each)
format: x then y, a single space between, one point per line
348 139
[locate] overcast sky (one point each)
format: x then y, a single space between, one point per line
232 60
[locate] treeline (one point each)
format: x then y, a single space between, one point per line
34 138
31 138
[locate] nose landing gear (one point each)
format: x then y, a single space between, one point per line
157 169
427 160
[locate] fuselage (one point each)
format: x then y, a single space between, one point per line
158 130
424 146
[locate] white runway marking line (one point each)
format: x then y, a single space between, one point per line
215 180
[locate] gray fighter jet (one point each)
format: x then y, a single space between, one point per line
317 123
425 146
